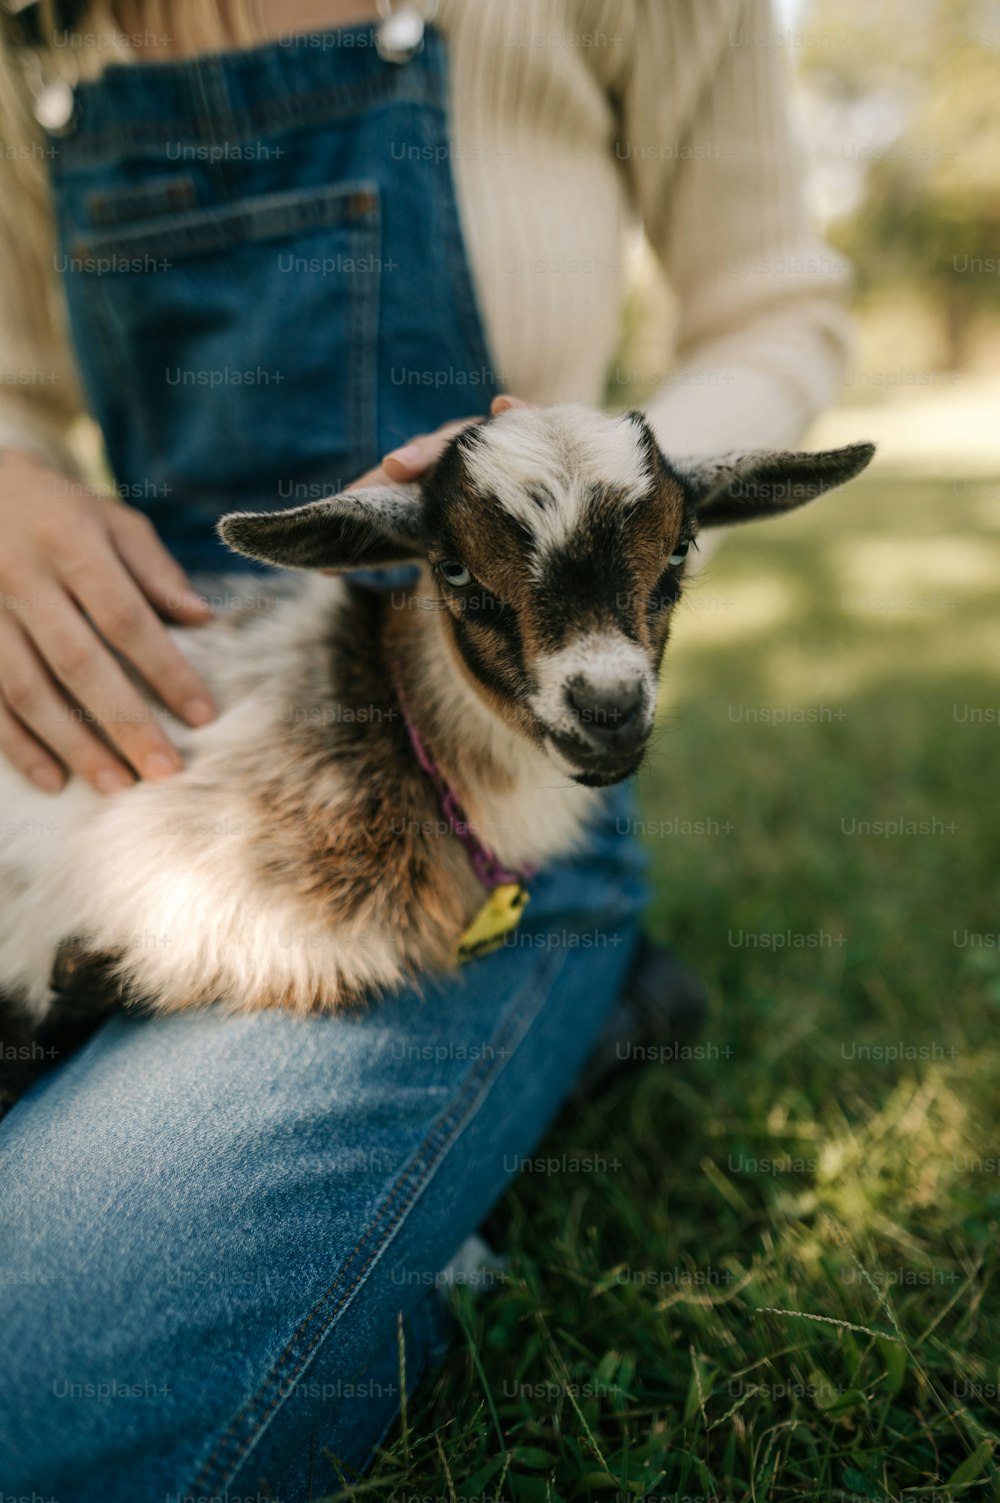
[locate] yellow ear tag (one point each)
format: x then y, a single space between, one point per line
498 916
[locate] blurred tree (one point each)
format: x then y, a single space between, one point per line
904 103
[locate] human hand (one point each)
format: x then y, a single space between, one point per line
78 571
414 458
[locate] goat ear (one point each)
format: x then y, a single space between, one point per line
370 527
764 483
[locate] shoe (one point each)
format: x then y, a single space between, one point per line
662 1004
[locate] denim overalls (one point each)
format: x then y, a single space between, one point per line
265 272
211 1224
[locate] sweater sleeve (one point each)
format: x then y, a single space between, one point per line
39 388
763 335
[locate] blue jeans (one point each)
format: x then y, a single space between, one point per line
212 1224
209 1226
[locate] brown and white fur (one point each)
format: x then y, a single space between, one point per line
300 859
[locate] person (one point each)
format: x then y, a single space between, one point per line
269 247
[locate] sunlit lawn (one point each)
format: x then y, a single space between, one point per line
788 1290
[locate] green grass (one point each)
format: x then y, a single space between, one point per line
789 1289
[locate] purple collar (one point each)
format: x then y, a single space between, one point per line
486 866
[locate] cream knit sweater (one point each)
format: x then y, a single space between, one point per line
571 119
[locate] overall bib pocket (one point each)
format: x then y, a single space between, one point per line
244 337
266 276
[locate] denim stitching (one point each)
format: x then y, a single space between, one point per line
413 1181
258 217
315 107
363 353
105 208
298 214
213 108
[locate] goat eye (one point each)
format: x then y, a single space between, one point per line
680 553
454 573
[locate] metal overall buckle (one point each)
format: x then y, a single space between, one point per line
399 35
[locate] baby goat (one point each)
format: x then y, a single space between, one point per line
301 859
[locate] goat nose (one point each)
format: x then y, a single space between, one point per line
606 711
